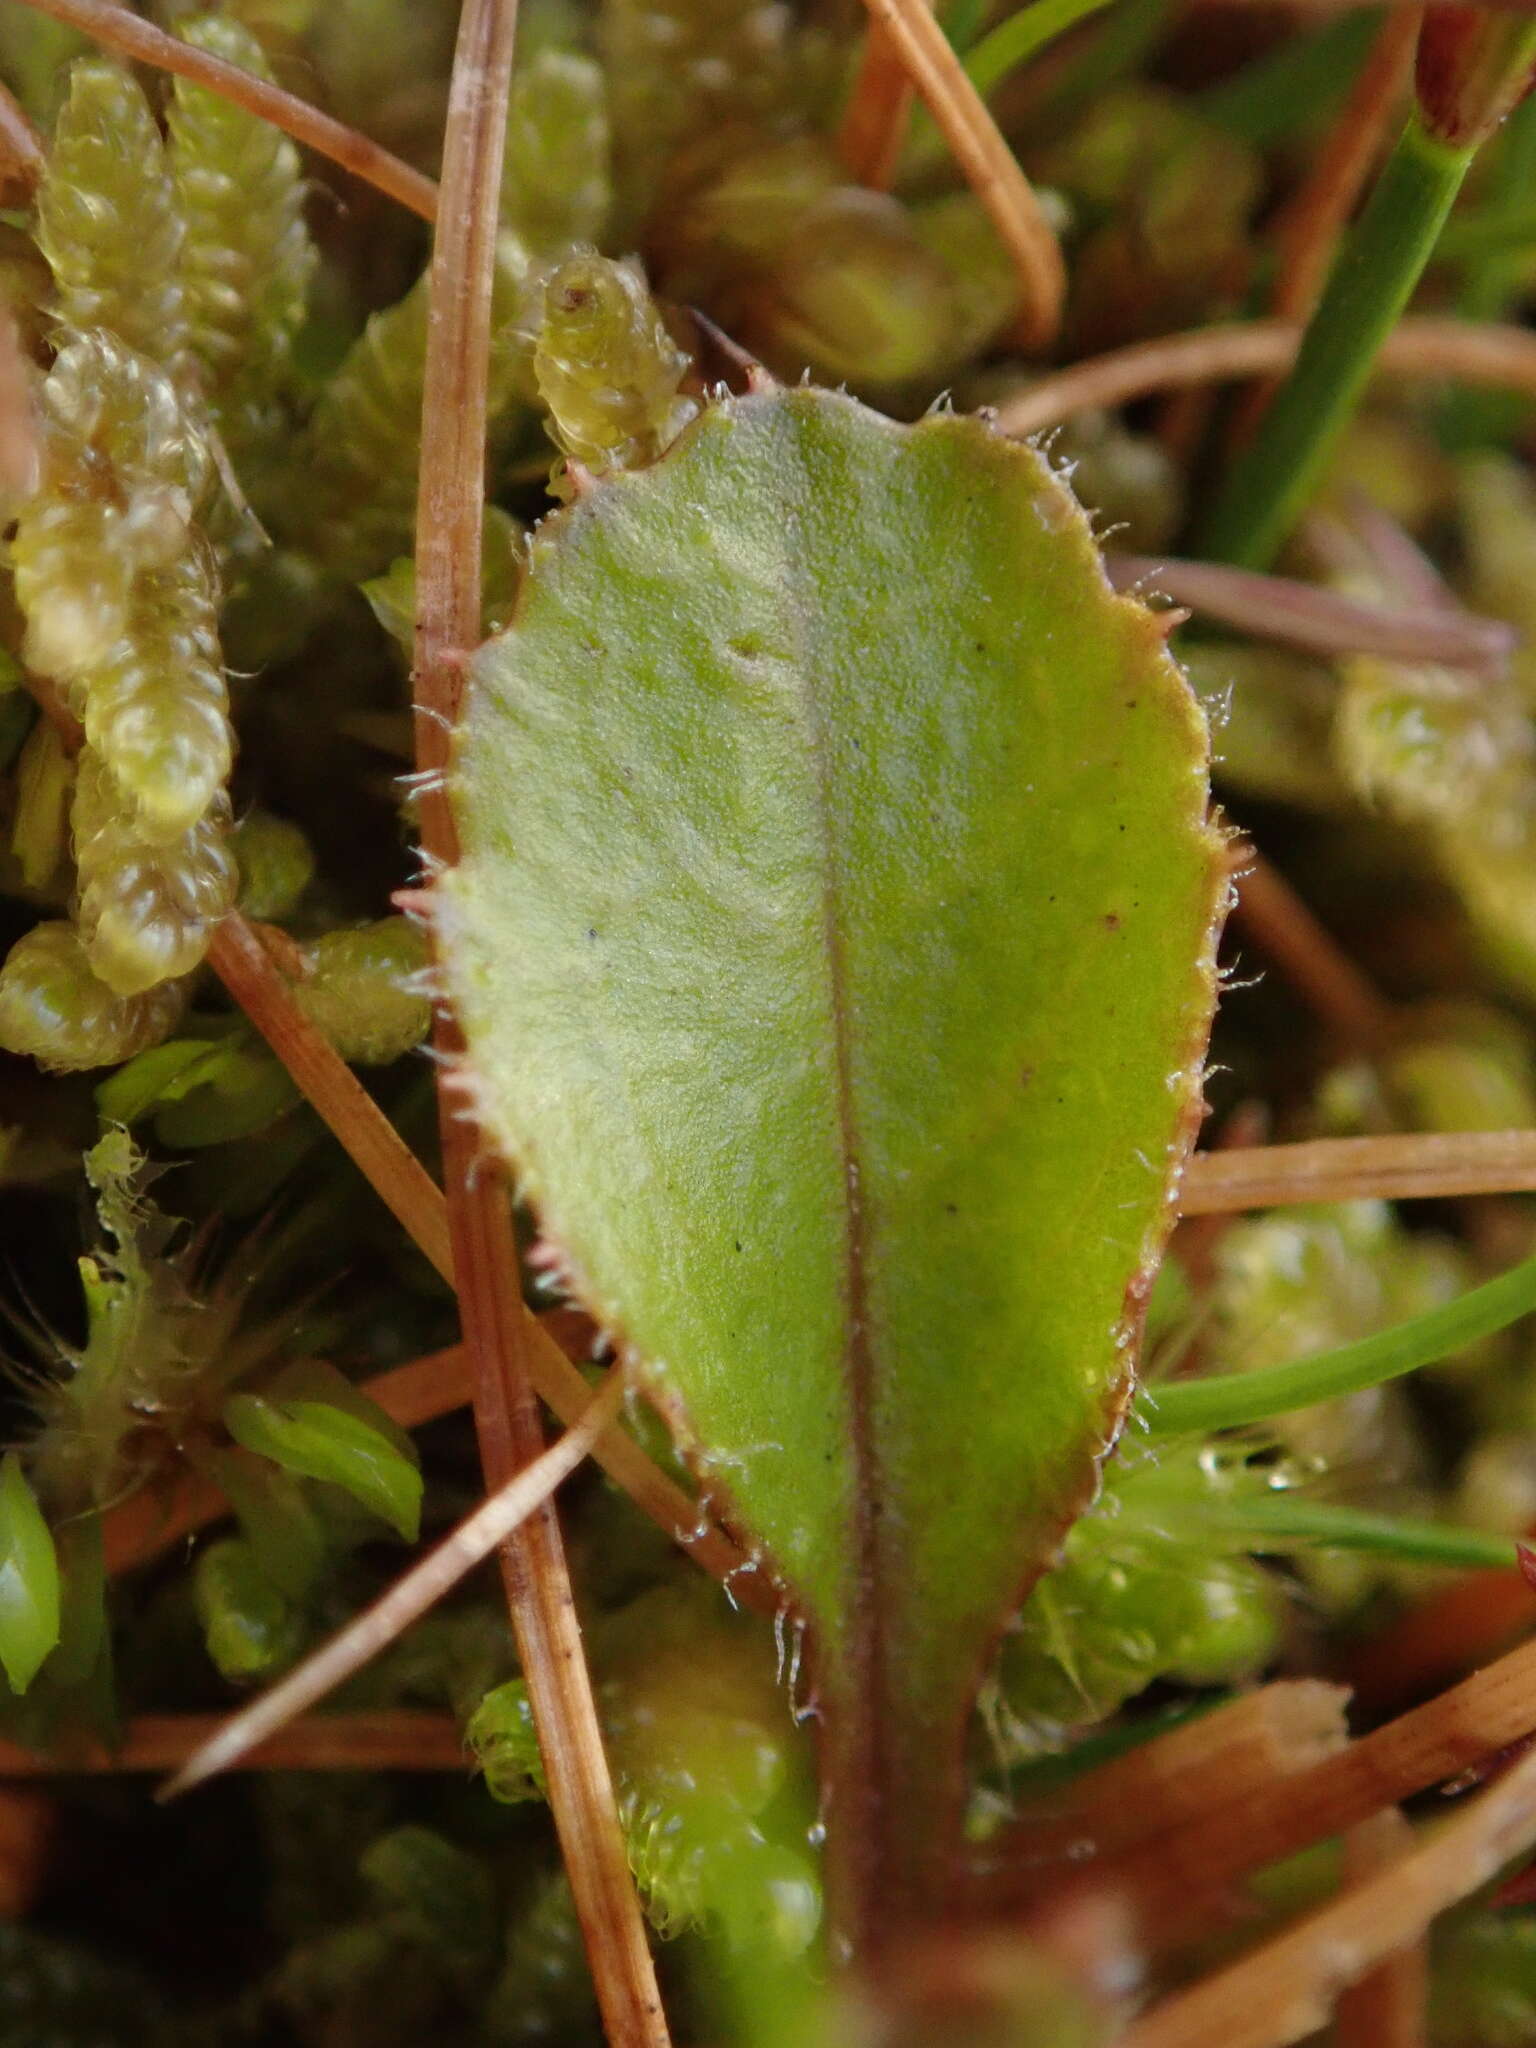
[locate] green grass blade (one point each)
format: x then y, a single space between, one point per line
1372 282
1284 1523
1231 1400
1002 50
1014 41
1298 82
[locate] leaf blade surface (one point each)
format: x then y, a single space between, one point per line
833 945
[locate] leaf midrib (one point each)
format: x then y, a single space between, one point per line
863 1686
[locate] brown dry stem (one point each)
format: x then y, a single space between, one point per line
1439 1638
496 1326
396 1175
117 28
1387 2008
1178 1883
1472 352
1171 1781
20 447
1285 1990
1414 1167
391 1739
515 1501
962 117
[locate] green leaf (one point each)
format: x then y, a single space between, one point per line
318 1441
249 1624
84 1640
278 1520
246 1092
833 944
29 1578
18 713
201 1091
162 1074
314 1379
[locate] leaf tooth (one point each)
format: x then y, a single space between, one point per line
462 1085
426 984
548 1260
420 905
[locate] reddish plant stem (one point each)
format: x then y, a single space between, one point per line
118 28
1475 352
493 1318
874 125
22 156
962 117
1306 232
1286 932
1439 1638
1324 621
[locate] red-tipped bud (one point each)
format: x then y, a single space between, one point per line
1473 68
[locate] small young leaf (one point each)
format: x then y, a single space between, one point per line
321 1442
249 1624
833 945
279 1522
29 1579
163 1074
201 1091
